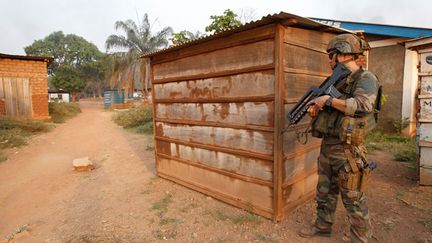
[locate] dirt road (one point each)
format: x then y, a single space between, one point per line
43 200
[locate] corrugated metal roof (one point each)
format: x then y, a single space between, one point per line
294 20
418 43
379 29
30 58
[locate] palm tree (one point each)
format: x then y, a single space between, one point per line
138 39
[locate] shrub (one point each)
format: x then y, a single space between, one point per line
401 124
140 119
147 128
60 112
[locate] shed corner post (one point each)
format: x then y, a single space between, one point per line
279 122
154 112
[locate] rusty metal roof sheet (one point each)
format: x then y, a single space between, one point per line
29 58
282 17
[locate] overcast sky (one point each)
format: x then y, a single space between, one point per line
24 21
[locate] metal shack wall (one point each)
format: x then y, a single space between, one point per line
214 118
391 75
425 118
306 63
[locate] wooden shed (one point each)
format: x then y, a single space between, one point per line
220 107
24 86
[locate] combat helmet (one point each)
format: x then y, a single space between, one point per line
347 44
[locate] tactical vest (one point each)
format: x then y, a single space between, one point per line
329 121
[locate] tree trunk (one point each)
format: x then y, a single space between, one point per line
74 96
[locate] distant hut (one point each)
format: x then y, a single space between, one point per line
24 86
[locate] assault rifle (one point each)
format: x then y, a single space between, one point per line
328 87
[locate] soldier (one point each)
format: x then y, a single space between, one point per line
342 123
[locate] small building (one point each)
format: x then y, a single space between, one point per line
423 47
24 86
220 106
58 96
394 65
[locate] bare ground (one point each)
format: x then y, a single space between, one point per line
43 200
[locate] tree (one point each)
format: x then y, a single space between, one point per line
69 79
94 73
223 22
70 50
138 39
184 36
73 56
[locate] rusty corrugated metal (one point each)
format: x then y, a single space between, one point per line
291 20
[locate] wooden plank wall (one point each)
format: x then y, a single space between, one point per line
305 63
214 118
17 96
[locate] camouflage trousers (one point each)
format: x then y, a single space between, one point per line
331 161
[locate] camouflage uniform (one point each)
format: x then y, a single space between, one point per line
333 161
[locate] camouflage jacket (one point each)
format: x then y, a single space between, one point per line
359 92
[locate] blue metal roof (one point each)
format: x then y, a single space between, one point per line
379 29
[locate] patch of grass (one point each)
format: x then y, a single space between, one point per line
2 157
188 207
149 147
403 148
162 205
428 223
224 240
165 234
219 215
14 132
165 221
60 111
406 156
399 195
29 126
12 138
139 119
246 218
146 128
265 238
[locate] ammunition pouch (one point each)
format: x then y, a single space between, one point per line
349 180
353 130
326 124
354 181
365 179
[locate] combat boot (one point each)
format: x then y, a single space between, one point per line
314 231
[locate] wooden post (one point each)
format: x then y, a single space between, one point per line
154 114
279 124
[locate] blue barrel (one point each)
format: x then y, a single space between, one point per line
107 99
119 97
